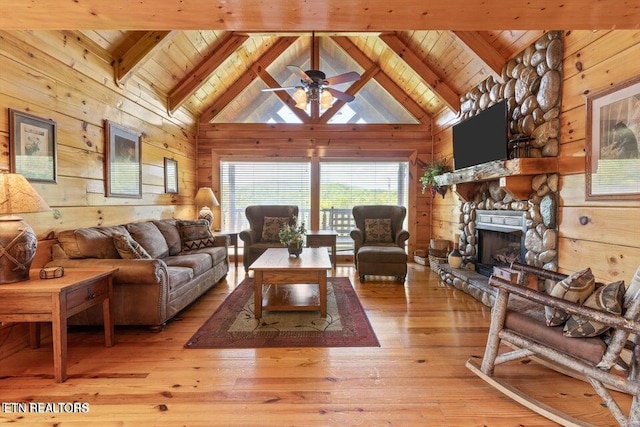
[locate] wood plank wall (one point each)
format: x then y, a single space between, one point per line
52 75
610 242
377 141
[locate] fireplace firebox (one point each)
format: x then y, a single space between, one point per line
500 239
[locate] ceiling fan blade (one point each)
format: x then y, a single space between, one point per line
300 72
340 95
273 89
351 76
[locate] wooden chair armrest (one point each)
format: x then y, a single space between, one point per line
609 319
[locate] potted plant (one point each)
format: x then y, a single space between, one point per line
292 236
430 171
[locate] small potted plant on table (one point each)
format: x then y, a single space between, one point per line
292 237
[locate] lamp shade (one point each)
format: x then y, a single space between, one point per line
205 197
18 196
205 200
18 242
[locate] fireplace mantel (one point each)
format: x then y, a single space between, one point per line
515 176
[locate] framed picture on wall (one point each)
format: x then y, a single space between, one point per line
613 142
170 176
123 162
33 143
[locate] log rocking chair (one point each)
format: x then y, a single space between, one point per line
608 362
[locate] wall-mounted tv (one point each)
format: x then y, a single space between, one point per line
482 138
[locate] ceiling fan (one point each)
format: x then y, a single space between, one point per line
315 87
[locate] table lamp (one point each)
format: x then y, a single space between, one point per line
18 242
205 200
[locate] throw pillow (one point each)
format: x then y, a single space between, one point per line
195 234
576 288
377 230
129 248
272 226
606 298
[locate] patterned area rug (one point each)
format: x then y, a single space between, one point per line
233 325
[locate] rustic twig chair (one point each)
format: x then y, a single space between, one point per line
592 359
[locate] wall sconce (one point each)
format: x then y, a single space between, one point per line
18 242
205 200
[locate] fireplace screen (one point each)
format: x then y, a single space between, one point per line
500 239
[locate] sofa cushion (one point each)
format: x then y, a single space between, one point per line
169 230
150 238
128 248
575 288
178 276
93 242
195 234
607 298
377 230
272 226
218 254
199 263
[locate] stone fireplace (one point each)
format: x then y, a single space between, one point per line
508 209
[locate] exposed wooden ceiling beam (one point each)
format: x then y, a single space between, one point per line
441 89
283 95
383 79
126 65
352 90
245 79
321 15
201 73
478 47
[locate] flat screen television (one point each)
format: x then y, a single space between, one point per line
482 138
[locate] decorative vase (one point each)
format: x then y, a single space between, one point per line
295 249
455 257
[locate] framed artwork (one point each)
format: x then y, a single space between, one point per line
170 176
613 142
123 163
33 143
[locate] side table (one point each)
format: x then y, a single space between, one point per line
233 239
323 238
55 300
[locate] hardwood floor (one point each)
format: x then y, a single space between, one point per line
415 378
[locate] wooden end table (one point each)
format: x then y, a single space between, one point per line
326 238
280 275
233 239
55 300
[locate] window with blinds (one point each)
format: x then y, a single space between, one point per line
347 184
262 183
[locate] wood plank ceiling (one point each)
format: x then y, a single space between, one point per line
199 55
204 70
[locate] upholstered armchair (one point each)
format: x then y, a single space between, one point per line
380 241
265 222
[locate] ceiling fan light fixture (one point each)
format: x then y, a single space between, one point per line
300 96
326 99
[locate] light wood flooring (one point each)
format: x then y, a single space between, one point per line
415 378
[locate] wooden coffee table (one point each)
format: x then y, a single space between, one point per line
283 282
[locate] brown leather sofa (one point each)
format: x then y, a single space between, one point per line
380 241
147 291
254 242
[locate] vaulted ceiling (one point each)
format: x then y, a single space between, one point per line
203 71
200 55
